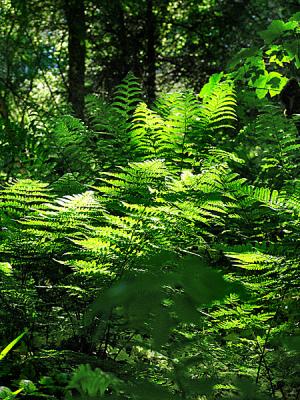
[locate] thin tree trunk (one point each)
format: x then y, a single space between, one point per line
151 53
75 15
3 108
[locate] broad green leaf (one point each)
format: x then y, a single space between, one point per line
272 82
242 55
292 48
276 29
5 351
28 386
295 17
5 393
261 93
260 86
5 268
212 83
275 83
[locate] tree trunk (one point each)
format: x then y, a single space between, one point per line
75 15
150 51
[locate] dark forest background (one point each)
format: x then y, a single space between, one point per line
64 50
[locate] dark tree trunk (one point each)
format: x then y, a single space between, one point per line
150 51
3 108
75 15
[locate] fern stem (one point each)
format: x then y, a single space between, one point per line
262 359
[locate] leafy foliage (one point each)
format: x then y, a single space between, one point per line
160 263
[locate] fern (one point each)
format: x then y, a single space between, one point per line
218 109
179 124
276 147
91 383
148 135
101 115
76 144
126 98
67 184
102 141
183 114
166 132
21 197
254 260
167 204
109 131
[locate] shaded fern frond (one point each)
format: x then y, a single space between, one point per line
67 184
127 96
70 131
102 117
75 144
275 140
21 197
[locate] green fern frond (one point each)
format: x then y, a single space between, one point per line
100 115
67 184
180 122
167 132
21 197
103 118
75 144
127 96
254 260
109 133
218 109
148 135
220 156
137 181
70 131
71 211
275 140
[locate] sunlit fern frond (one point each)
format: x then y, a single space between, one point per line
180 123
252 260
148 135
47 233
68 212
219 109
135 182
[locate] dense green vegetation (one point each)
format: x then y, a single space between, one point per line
150 237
